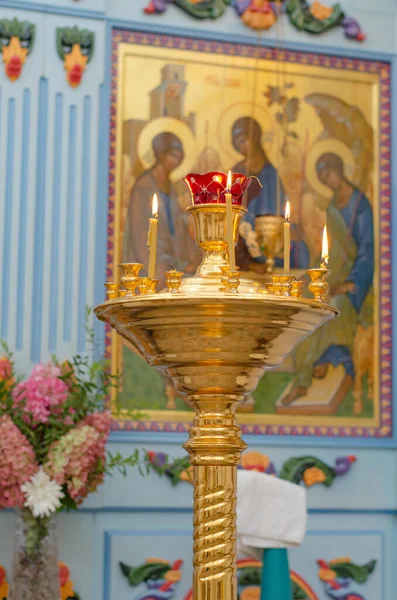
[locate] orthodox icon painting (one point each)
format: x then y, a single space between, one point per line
314 130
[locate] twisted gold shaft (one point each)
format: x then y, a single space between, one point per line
215 533
215 447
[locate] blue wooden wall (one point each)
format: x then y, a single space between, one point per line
53 210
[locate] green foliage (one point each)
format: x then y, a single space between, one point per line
294 468
206 9
301 17
24 30
89 383
36 530
171 468
117 462
349 570
67 37
297 592
249 576
146 572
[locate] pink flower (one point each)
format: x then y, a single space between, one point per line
100 421
43 392
76 460
17 464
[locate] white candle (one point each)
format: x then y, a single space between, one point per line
229 223
287 240
325 251
152 239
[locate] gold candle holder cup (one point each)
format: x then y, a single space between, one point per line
318 285
174 279
112 290
230 279
296 289
282 284
130 277
147 286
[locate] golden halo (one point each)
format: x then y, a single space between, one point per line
321 147
167 125
236 111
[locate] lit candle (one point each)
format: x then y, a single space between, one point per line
229 223
325 251
287 240
152 238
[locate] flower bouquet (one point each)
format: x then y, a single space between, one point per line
53 434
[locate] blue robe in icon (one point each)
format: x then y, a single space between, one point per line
265 203
351 234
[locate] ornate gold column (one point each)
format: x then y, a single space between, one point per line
215 447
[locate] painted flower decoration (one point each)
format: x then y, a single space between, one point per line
255 461
257 14
43 495
16 42
67 591
3 584
76 48
6 372
210 188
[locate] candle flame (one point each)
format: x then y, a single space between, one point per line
155 206
325 252
287 212
229 181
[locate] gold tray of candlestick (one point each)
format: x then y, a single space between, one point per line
215 343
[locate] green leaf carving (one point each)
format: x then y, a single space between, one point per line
297 592
25 31
358 573
206 9
294 468
249 576
69 36
301 17
146 572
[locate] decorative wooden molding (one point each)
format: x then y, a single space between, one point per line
311 17
308 470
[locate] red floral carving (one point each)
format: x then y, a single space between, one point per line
211 188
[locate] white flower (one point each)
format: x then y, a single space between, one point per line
43 495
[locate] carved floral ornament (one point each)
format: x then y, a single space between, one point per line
75 48
311 17
16 43
306 470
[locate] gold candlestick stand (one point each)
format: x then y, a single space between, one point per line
215 343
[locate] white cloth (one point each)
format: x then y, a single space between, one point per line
271 513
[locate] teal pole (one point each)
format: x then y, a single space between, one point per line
276 582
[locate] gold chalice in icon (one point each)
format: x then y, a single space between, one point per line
269 230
